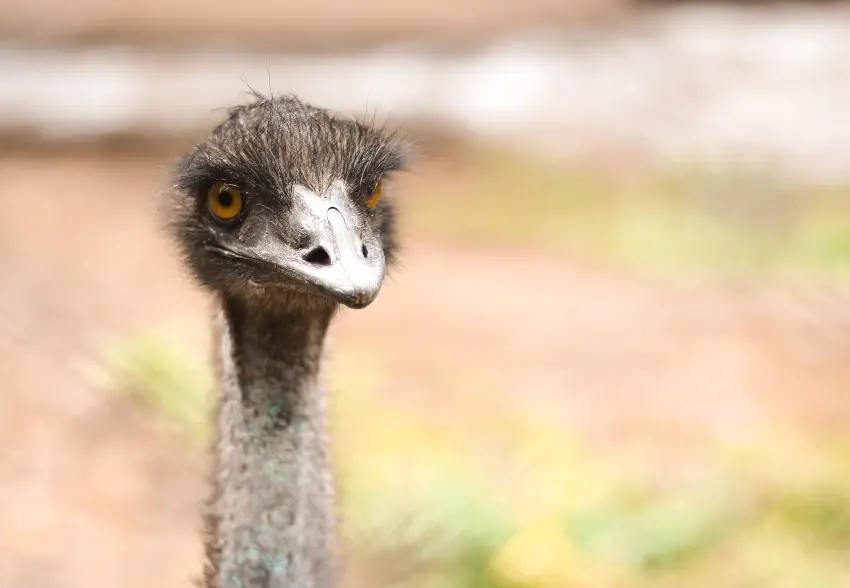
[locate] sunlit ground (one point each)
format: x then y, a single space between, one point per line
580 378
690 219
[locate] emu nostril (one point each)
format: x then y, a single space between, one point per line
364 251
318 256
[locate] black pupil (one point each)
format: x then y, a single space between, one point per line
225 198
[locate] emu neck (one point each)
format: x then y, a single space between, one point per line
271 519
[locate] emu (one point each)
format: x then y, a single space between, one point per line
281 213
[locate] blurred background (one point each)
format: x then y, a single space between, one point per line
617 353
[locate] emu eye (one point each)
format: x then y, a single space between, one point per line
225 201
375 196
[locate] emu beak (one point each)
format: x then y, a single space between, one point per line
340 264
350 277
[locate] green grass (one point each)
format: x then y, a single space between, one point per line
682 220
161 373
420 509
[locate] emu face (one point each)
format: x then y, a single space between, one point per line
284 199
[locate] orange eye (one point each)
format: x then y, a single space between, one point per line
375 196
224 201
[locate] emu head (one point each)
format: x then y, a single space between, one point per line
288 203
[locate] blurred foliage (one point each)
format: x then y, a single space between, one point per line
159 372
513 501
686 219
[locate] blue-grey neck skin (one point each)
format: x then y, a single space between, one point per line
270 521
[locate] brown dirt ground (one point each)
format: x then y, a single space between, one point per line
94 494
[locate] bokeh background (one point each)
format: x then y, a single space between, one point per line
617 353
